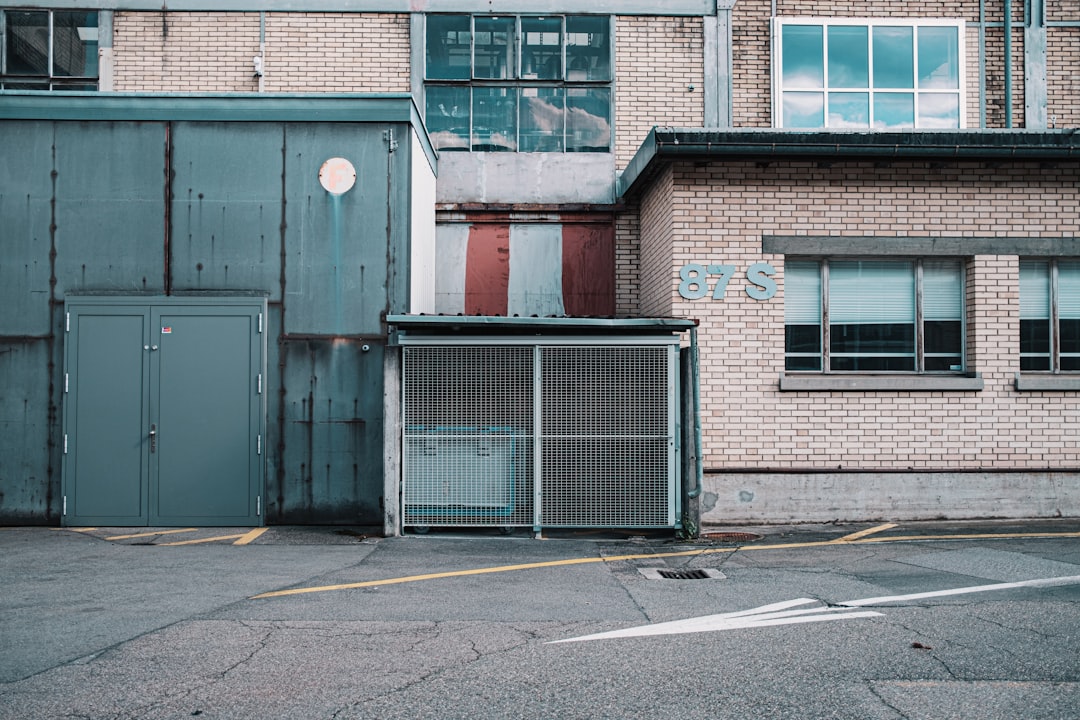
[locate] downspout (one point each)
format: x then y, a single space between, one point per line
695 383
1008 64
260 61
982 63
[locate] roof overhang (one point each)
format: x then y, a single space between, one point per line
231 107
491 326
666 145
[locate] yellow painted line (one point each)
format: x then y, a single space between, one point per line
864 533
204 540
150 534
245 539
970 536
642 556
78 530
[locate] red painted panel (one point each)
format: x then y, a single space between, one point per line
588 280
487 270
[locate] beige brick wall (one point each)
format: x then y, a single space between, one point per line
627 264
655 248
185 52
304 52
656 60
1063 75
719 214
337 52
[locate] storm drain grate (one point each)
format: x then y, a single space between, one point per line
682 574
731 537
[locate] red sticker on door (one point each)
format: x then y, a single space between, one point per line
166 330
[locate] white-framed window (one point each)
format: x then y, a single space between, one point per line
850 315
1050 315
48 50
878 74
518 83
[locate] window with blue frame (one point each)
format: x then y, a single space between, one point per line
846 315
881 74
1050 315
48 50
518 83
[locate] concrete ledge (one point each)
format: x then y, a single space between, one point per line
771 497
1036 383
797 382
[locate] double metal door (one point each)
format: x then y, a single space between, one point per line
164 411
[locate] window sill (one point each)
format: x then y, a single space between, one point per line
857 382
1039 382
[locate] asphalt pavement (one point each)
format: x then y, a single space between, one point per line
876 620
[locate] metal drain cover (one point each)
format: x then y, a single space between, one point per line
732 537
682 574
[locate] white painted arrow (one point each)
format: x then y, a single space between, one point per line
781 614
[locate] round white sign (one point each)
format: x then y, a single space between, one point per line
337 176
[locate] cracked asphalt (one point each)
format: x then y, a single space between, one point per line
118 623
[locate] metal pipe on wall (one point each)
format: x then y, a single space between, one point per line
1007 6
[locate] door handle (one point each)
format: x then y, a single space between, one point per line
153 437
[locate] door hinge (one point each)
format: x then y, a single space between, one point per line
65 382
65 443
260 384
260 322
64 512
258 444
258 505
67 322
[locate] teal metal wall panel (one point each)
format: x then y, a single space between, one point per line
337 255
26 490
25 215
226 207
333 454
110 207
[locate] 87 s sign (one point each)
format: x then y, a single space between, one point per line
697 281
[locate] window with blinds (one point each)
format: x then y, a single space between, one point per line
874 315
1050 315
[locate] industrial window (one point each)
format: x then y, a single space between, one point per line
1050 315
48 50
880 74
518 83
874 315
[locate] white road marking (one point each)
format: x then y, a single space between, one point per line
781 613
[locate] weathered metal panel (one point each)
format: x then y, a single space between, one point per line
338 247
332 457
25 215
536 269
588 270
487 270
27 489
451 251
110 207
226 207
526 178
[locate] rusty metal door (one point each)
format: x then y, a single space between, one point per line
164 412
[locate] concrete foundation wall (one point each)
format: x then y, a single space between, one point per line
747 498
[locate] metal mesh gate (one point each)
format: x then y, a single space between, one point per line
540 435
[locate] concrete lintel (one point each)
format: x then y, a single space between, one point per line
860 382
1047 383
918 246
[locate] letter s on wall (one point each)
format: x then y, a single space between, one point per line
763 287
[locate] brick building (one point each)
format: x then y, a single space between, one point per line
871 214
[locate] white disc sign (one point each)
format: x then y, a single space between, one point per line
337 176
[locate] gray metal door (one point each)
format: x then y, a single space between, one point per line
163 414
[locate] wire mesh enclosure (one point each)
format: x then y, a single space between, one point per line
540 435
